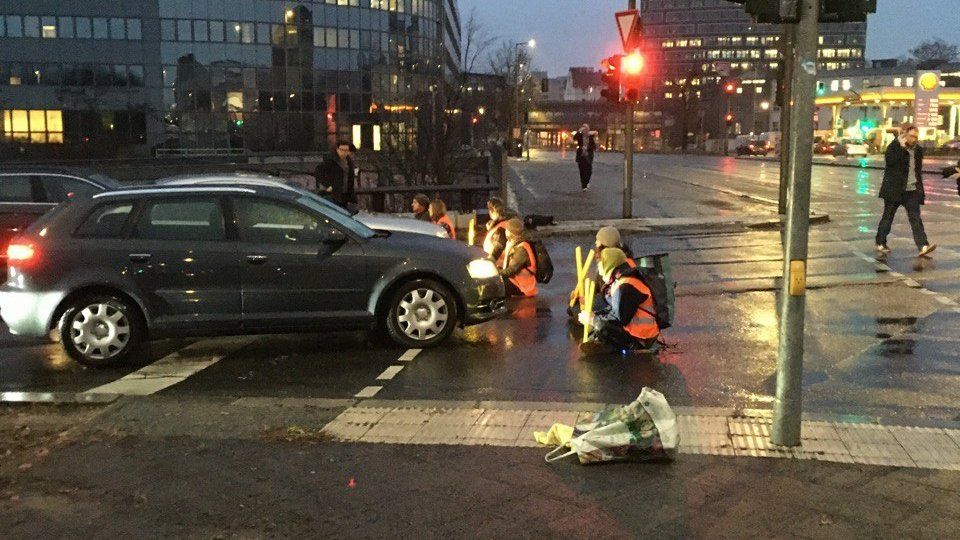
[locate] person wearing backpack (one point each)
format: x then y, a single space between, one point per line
607 237
519 267
496 238
627 318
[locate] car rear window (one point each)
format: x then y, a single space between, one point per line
16 188
106 221
188 220
58 188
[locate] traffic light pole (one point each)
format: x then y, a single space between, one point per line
628 151
787 406
787 41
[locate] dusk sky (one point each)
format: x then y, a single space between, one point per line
581 32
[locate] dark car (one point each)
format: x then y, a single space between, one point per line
26 193
754 148
824 148
111 270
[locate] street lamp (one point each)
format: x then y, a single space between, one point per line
765 105
532 43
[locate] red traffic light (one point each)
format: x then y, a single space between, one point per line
633 64
729 119
730 87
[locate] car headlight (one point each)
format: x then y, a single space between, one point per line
442 233
482 269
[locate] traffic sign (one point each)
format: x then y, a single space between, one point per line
628 23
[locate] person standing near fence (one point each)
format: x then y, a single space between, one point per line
586 146
438 214
903 186
336 176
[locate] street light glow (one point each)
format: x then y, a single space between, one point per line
765 105
532 43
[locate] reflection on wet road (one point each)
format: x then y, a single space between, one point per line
883 334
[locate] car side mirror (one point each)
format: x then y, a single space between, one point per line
334 237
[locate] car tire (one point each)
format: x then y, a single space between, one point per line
421 313
101 330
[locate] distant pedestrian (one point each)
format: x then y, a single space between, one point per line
586 146
438 214
336 176
496 238
903 186
421 207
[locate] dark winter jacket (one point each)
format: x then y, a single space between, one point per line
624 304
519 259
898 167
330 173
585 149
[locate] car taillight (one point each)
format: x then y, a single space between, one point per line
21 254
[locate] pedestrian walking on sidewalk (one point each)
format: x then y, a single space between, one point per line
903 186
586 146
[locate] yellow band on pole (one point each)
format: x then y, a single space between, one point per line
472 234
578 255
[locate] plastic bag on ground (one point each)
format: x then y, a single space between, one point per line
641 431
559 435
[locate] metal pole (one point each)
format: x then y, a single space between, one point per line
727 128
788 41
628 151
516 83
787 406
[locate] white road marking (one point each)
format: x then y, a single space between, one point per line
409 355
389 373
173 368
368 392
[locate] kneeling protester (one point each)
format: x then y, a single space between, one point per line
626 319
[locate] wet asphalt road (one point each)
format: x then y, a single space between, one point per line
883 335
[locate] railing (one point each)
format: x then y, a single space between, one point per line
464 197
199 152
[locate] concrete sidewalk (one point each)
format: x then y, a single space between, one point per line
218 470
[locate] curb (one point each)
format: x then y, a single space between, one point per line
668 224
56 398
844 165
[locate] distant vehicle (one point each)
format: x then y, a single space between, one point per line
824 148
376 221
111 270
26 193
850 147
952 146
754 148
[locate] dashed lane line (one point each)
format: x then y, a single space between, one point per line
173 368
389 373
409 355
368 392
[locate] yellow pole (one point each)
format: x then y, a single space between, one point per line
472 235
588 307
585 272
578 253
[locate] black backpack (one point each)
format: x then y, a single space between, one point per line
661 300
544 263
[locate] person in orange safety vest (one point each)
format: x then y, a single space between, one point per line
626 320
496 238
519 266
438 213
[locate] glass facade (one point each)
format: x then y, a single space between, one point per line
263 75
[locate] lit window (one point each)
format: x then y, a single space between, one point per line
846 84
834 85
37 127
898 81
759 89
910 82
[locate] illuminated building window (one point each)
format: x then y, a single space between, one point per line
898 81
910 82
834 85
846 84
40 127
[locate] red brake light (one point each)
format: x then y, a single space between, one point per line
20 253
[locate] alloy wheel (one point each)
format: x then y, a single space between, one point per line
422 314
100 331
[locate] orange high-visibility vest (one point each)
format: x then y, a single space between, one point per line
644 324
447 224
526 278
488 240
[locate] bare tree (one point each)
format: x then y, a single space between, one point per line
514 67
935 51
476 42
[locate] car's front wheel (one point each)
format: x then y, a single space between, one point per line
422 313
101 330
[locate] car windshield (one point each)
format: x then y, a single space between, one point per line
104 180
324 202
337 214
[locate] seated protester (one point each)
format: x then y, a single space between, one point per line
607 237
421 207
519 267
438 214
626 320
496 239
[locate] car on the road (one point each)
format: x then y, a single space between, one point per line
110 270
26 193
851 148
754 148
376 221
951 147
824 148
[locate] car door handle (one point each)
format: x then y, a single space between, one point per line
256 259
140 257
